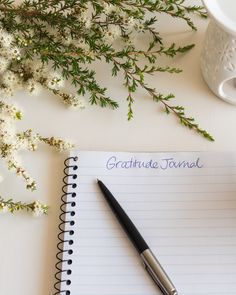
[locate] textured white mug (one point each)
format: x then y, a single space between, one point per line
218 59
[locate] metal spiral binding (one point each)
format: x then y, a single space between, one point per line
67 199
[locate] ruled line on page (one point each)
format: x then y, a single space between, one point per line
169 255
161 192
163 218
115 255
150 210
165 201
143 176
206 167
87 228
159 246
161 184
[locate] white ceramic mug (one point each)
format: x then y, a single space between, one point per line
218 60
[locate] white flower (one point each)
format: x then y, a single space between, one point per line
10 79
14 52
9 110
1 178
33 87
5 38
38 209
35 67
55 81
75 101
3 207
139 27
14 161
79 102
112 33
3 64
11 53
7 131
130 22
85 17
109 8
6 92
64 146
67 40
87 24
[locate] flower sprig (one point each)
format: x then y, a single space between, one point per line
45 43
35 207
70 35
11 142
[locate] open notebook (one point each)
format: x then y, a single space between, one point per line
184 205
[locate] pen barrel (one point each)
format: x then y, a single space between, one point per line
124 219
157 273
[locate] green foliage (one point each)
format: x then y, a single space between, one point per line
35 207
71 35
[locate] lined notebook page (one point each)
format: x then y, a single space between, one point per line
184 205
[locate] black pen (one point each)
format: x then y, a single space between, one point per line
150 262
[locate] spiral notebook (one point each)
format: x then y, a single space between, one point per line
184 205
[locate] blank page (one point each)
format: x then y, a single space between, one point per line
183 204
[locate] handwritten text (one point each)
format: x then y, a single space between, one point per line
163 164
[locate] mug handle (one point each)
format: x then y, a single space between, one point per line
227 90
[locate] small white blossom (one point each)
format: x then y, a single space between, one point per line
10 79
88 24
38 209
85 17
5 53
139 27
109 8
7 130
33 87
6 39
3 207
9 110
75 101
80 103
55 81
112 33
6 92
36 68
14 52
64 146
3 64
67 40
130 22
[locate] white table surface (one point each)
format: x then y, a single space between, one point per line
28 245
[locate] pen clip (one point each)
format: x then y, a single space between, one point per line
155 278
157 273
